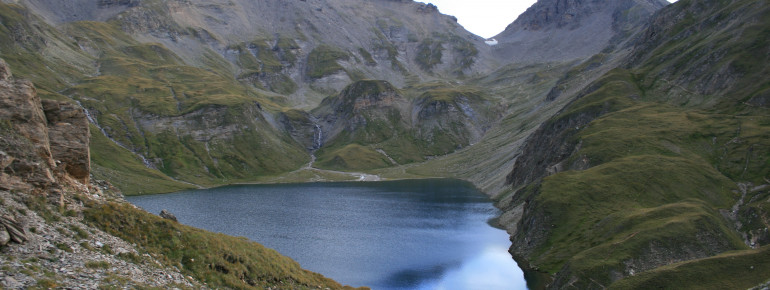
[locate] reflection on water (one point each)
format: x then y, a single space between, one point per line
490 270
424 234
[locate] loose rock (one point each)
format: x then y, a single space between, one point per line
167 215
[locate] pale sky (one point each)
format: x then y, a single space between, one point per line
485 18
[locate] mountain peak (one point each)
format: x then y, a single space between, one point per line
558 14
570 29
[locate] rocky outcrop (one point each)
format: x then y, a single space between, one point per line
45 143
68 133
302 127
455 117
11 231
360 104
25 132
374 113
167 215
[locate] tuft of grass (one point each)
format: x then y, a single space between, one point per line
63 247
368 59
45 284
429 54
130 257
79 233
39 204
107 249
97 265
87 246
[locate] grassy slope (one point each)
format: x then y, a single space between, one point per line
517 90
732 270
133 177
38 52
353 157
149 79
322 61
650 182
218 260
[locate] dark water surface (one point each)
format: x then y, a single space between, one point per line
415 234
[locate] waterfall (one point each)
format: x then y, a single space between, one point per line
318 137
92 120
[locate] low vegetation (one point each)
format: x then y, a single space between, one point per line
322 61
353 157
125 170
731 270
218 260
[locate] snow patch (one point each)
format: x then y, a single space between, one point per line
491 41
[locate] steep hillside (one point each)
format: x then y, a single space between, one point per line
272 45
661 161
396 129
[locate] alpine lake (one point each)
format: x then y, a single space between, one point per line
408 234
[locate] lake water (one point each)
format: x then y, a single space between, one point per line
414 234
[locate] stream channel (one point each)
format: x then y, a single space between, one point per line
410 234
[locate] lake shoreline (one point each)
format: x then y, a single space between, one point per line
446 189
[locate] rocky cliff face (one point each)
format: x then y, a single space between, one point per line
45 143
557 30
69 134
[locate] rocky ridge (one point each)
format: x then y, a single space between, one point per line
557 30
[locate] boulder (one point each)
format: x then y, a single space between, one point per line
5 71
5 237
5 160
13 229
68 132
167 215
25 132
41 140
